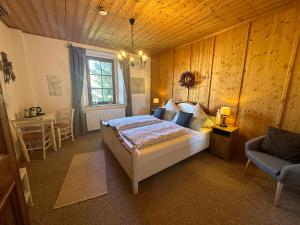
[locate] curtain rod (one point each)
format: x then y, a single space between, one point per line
70 44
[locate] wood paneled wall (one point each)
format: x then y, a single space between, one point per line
182 62
290 119
270 46
230 51
162 67
253 68
201 67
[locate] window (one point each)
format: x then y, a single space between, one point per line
101 81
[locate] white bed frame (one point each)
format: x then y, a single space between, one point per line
131 160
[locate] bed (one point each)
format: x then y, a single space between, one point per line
142 163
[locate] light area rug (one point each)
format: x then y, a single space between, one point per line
86 179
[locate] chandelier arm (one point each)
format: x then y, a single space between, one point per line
130 56
132 37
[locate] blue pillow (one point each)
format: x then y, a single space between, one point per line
159 112
184 119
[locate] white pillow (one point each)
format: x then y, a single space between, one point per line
171 106
200 119
197 123
199 112
212 118
208 123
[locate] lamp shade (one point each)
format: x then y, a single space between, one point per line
225 111
155 100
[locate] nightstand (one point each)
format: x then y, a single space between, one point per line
152 111
223 140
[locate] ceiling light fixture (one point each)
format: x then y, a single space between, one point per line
131 57
102 11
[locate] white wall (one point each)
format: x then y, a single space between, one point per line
33 58
141 102
50 56
8 89
17 94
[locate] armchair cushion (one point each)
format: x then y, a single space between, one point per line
268 163
290 174
255 143
283 144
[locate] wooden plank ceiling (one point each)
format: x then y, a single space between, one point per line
160 24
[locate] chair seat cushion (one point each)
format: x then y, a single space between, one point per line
268 163
283 144
61 125
35 135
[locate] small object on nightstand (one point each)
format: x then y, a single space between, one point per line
223 140
224 111
218 117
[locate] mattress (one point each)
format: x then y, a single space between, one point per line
193 141
170 152
154 158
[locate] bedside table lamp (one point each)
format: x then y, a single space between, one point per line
155 101
225 111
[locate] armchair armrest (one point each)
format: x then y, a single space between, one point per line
290 175
254 144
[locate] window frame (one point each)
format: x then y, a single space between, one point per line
100 59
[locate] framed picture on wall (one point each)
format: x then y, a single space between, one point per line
54 85
137 85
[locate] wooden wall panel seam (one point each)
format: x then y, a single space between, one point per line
190 66
228 69
211 73
288 75
173 51
243 73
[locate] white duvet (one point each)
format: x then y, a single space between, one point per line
132 122
152 134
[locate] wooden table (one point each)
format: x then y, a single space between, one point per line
48 118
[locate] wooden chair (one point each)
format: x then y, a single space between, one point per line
64 130
33 135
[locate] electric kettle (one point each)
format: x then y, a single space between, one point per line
34 111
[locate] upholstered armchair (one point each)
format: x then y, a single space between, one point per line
281 170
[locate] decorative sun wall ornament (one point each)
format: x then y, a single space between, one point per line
6 66
187 79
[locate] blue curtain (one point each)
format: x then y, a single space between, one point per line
77 66
125 66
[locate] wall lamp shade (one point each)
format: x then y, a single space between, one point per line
225 111
155 100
